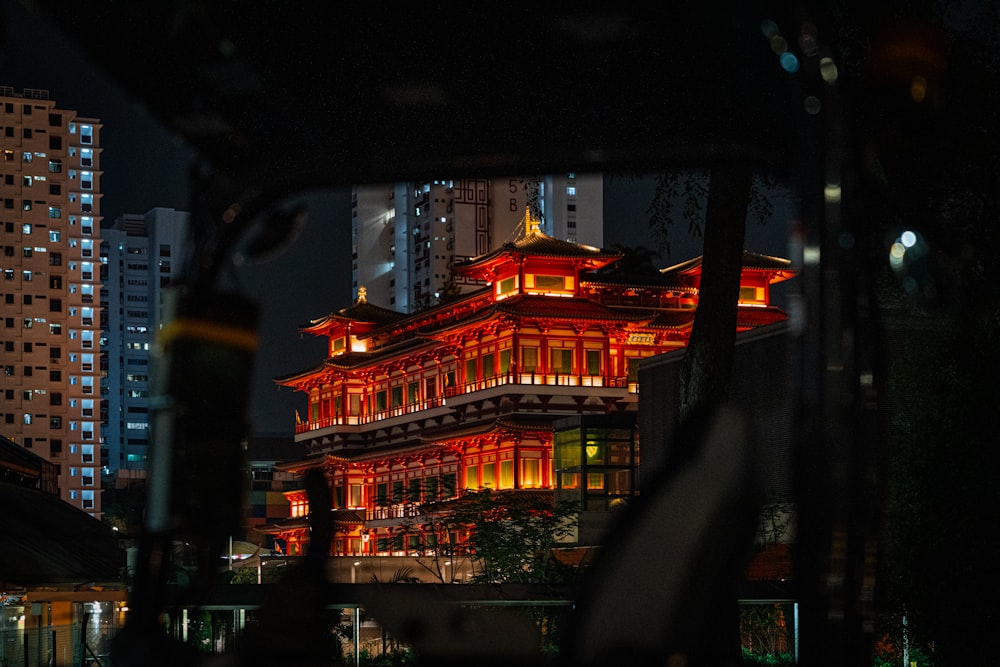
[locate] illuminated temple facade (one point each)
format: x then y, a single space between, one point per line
525 385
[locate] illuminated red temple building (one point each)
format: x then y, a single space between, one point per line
524 384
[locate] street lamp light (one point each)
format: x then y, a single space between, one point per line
446 579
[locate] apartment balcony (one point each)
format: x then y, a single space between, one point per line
485 388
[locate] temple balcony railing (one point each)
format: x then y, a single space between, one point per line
471 391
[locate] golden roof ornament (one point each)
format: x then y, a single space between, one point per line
532 225
362 294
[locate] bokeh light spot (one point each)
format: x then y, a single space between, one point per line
812 105
828 69
789 62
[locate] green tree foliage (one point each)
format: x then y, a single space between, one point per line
512 536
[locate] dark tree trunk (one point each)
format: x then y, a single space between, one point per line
705 378
706 370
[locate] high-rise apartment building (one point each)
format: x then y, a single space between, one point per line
407 236
141 255
50 216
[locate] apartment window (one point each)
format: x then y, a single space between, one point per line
55 212
55 166
55 259
55 235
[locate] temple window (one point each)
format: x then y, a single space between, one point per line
355 492
505 356
337 345
299 508
380 401
545 283
561 360
397 491
431 488
531 473
413 393
507 286
633 368
750 294
472 477
489 475
413 493
470 370
507 474
382 494
448 484
488 367
593 362
529 358
397 396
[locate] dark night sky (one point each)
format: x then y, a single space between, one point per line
145 165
